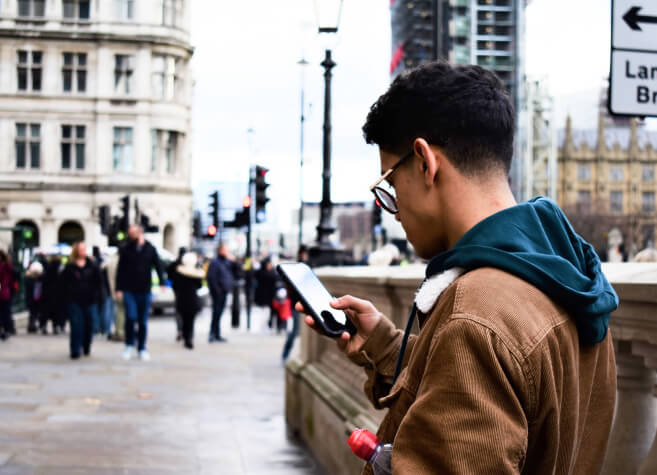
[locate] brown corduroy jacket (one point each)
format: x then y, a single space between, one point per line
496 382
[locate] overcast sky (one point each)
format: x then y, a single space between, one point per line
246 78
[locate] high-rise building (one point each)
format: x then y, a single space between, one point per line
95 101
489 33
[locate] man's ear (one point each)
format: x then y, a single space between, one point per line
429 162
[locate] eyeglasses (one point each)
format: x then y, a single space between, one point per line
384 198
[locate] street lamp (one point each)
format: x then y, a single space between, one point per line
328 18
302 63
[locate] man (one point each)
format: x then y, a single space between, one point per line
220 281
133 284
172 275
513 368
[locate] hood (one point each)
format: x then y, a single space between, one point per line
535 242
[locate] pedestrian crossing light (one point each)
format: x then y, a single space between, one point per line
261 193
124 222
212 230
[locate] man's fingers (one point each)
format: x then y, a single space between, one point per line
299 307
353 303
309 321
343 340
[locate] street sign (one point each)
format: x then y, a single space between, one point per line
633 76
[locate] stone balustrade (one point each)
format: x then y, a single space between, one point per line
325 401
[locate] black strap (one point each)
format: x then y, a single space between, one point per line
402 350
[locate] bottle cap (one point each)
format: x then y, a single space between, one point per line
363 443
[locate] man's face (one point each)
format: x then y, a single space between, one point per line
133 233
418 204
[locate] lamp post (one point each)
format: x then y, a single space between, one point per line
302 63
323 253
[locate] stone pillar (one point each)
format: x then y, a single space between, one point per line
635 420
649 353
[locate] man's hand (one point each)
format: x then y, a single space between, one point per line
362 314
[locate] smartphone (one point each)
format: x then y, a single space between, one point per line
315 299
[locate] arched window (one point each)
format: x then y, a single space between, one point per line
30 232
70 232
169 238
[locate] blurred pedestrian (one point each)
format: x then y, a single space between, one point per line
172 275
189 278
6 286
117 303
53 304
82 286
34 297
133 284
106 309
266 284
221 282
302 256
239 277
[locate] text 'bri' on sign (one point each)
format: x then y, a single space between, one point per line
643 93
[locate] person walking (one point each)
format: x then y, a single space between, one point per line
6 287
266 283
53 307
133 284
172 274
106 309
188 279
82 286
34 298
220 281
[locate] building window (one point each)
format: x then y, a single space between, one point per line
123 71
31 8
172 12
648 201
166 77
73 137
616 173
122 151
164 147
124 9
583 172
76 9
74 72
583 201
29 70
28 145
648 173
616 202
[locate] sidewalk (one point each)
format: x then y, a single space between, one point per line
215 410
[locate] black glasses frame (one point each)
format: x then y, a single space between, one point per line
382 195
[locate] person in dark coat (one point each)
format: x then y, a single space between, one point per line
34 297
6 286
53 304
266 284
188 278
172 275
221 282
106 308
133 285
82 286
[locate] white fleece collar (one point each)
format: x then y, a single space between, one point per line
431 289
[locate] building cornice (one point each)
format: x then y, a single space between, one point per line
87 36
93 187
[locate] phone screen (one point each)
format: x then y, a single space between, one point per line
313 290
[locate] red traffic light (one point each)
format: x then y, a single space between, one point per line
246 202
212 230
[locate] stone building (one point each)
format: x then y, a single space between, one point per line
608 175
95 104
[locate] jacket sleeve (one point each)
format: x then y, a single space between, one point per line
467 416
157 264
213 277
120 273
378 356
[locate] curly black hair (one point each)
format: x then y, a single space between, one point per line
465 110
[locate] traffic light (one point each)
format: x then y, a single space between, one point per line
376 214
212 231
104 218
145 222
214 208
196 225
124 221
261 193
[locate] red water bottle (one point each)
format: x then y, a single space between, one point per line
369 447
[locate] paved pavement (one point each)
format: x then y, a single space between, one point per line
215 410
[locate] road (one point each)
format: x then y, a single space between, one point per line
215 410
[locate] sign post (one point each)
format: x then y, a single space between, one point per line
633 76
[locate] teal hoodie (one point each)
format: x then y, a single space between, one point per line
535 241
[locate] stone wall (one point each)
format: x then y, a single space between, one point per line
325 401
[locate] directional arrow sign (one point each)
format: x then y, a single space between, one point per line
633 76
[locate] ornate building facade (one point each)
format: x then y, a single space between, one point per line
95 104
608 175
